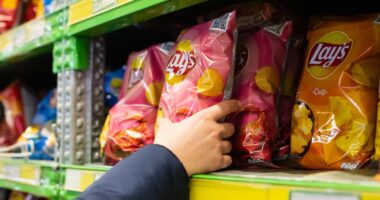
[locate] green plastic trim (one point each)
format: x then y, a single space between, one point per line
127 14
71 53
46 191
57 23
68 195
101 168
291 182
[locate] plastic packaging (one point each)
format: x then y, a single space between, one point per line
112 85
12 122
33 9
130 124
261 56
200 70
333 122
9 12
377 137
41 134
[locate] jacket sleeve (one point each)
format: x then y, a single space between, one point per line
152 173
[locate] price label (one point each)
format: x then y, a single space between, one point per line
79 180
303 195
35 29
99 5
30 174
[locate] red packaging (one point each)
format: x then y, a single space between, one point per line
199 71
12 122
261 56
9 11
131 121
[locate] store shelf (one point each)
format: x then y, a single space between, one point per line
86 18
76 179
35 177
32 38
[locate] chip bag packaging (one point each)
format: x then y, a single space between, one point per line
333 121
130 124
261 56
12 119
377 137
200 70
9 12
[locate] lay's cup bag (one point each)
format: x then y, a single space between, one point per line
261 55
333 122
200 70
130 124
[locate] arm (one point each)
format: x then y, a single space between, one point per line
151 173
156 172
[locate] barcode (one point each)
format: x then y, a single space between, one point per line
377 20
167 47
276 29
221 23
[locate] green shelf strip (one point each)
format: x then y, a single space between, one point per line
101 168
292 182
47 191
126 15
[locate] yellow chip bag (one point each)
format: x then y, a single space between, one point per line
377 137
333 123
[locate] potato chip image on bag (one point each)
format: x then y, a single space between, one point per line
333 123
261 56
130 124
200 70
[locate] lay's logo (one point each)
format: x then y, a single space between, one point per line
328 53
183 60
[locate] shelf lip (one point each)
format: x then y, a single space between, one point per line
302 181
101 168
125 13
41 163
43 191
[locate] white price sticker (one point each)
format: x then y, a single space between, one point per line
35 29
299 195
79 180
99 5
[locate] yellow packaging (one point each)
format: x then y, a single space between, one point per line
377 137
333 122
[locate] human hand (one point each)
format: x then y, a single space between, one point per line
199 141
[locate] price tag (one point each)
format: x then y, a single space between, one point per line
35 29
99 5
30 174
18 36
79 180
86 180
304 195
11 172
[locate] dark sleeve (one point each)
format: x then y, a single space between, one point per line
152 173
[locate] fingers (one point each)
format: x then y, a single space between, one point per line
226 147
227 130
226 161
221 110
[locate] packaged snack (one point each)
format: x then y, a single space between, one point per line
200 70
130 124
377 137
261 57
9 12
112 84
290 77
12 122
333 122
41 134
33 9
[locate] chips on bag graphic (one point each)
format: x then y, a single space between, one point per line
339 86
198 71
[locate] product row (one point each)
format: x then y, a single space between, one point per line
309 90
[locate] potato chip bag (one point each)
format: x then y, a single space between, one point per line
12 119
198 71
9 14
261 56
333 122
130 124
377 137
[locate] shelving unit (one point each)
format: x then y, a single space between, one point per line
77 30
